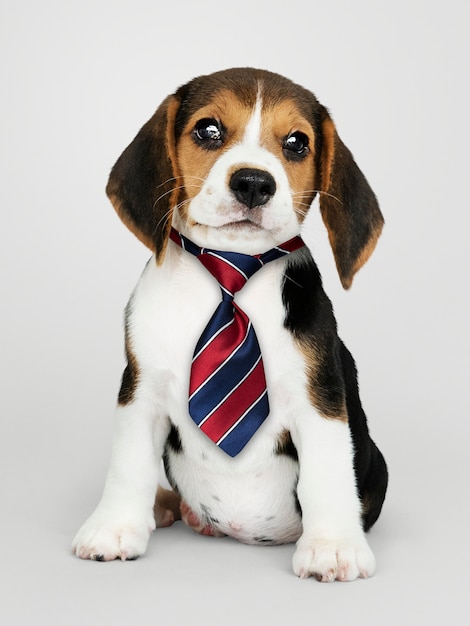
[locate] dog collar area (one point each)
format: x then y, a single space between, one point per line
291 245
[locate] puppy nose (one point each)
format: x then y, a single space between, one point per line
252 187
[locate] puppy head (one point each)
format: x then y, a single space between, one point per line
233 160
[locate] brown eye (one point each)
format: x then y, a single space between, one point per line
208 133
296 146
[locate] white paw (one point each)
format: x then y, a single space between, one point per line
328 559
106 538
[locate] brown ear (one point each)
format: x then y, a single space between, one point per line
348 206
142 185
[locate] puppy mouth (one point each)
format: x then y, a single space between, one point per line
241 225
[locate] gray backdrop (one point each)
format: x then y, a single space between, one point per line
78 79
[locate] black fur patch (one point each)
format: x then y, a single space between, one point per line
128 385
333 376
173 445
310 319
130 376
285 446
174 440
369 464
298 508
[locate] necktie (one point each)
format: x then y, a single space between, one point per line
227 391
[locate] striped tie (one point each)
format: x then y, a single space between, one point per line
227 391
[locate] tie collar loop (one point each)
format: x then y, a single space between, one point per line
245 263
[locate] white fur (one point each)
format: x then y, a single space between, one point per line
250 497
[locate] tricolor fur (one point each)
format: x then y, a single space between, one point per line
311 474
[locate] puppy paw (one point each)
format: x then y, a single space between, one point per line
107 539
167 507
195 523
328 559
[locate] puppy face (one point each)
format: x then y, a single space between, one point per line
233 160
247 169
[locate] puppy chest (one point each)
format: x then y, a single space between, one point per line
171 309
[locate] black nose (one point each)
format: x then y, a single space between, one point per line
252 187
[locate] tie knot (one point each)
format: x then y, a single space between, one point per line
230 269
233 269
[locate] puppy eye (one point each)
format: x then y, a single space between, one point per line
208 133
296 145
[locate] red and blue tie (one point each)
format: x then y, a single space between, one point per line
228 398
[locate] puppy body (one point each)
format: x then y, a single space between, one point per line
311 473
253 498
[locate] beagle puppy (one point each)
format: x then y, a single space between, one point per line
311 474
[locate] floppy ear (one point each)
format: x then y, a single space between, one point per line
348 206
142 186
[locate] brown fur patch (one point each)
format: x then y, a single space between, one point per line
176 193
280 119
130 377
127 220
329 132
285 445
348 206
166 509
195 162
368 249
329 399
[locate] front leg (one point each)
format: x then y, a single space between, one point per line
121 525
332 545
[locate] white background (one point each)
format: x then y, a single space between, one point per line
78 79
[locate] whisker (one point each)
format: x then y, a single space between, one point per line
164 218
174 178
293 281
174 189
168 213
307 192
166 193
182 203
